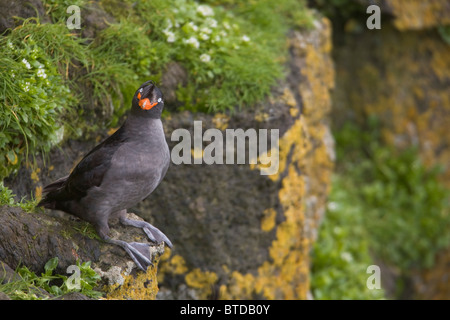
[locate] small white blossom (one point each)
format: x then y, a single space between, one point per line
347 256
170 36
10 45
193 26
212 23
206 30
245 38
41 73
205 58
204 36
26 87
332 206
193 42
27 64
226 25
205 10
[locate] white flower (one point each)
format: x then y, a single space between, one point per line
193 42
26 87
226 25
205 58
204 36
206 30
245 38
205 10
27 64
211 22
193 26
332 206
41 73
10 45
170 36
347 256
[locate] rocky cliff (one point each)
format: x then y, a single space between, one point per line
237 233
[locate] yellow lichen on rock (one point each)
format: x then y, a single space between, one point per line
143 286
301 184
268 220
407 90
419 14
304 156
202 280
220 120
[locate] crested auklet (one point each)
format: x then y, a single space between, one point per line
118 173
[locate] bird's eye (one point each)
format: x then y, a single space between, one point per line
159 99
140 90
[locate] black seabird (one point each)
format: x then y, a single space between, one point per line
118 173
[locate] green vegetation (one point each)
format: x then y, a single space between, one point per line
407 207
392 205
30 286
342 254
8 198
233 52
33 93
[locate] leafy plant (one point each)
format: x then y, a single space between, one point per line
341 255
8 198
401 205
30 286
33 96
408 209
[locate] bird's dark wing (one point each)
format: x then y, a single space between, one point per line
92 168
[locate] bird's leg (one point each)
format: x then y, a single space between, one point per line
139 252
153 233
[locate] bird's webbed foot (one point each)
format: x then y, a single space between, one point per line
139 252
153 233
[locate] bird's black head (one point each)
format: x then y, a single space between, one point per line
148 101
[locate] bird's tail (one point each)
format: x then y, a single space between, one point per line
52 190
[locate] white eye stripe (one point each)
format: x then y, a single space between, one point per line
140 90
159 99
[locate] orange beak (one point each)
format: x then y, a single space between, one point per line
145 104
